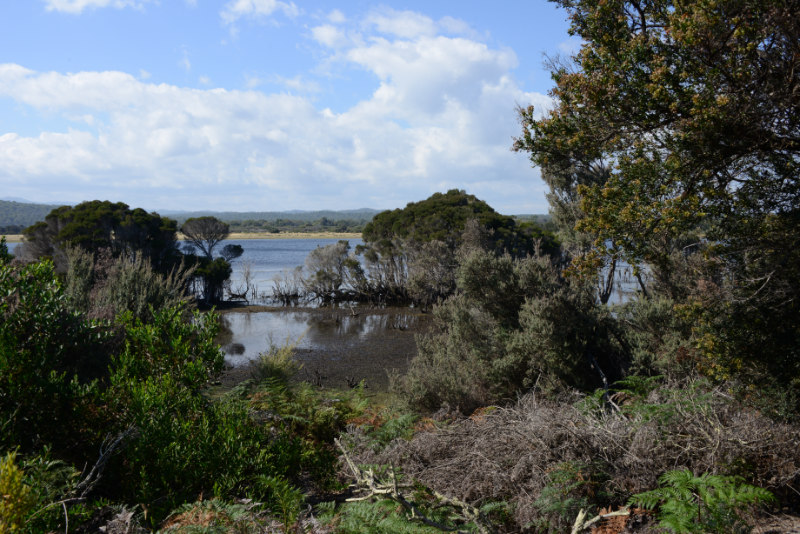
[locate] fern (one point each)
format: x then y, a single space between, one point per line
704 503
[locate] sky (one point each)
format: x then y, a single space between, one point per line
269 105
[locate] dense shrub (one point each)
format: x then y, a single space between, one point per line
50 356
524 454
104 286
513 324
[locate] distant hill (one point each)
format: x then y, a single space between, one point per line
15 216
363 214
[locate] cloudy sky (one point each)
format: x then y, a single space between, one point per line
271 105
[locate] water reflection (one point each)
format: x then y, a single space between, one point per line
337 344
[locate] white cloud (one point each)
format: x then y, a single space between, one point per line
336 17
236 9
77 6
404 24
571 46
440 115
329 35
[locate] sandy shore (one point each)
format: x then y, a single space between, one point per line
16 238
295 235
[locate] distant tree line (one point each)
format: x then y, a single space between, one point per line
280 225
16 216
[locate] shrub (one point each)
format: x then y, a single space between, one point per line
16 498
508 454
705 503
105 286
49 357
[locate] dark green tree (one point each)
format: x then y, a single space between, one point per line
97 225
693 106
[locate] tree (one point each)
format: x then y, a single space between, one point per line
205 233
97 225
410 252
694 108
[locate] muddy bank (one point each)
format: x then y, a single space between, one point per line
337 347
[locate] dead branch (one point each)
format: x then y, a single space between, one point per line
368 481
581 523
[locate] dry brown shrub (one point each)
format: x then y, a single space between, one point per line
508 453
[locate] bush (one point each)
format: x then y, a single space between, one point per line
50 356
513 324
705 503
104 286
16 498
593 456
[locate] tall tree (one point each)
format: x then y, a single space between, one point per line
205 233
694 106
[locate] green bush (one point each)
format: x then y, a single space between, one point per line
16 498
50 356
705 503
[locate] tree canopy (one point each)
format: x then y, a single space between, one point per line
97 224
443 217
205 233
693 109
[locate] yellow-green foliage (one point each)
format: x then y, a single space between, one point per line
16 499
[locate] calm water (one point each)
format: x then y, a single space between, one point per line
270 257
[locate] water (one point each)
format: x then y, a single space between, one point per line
331 344
271 257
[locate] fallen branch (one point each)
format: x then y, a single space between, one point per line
368 481
581 523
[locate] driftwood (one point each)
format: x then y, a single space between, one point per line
371 485
582 523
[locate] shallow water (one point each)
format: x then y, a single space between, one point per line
332 344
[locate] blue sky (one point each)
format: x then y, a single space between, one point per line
271 105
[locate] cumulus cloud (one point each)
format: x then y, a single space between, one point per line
237 9
77 6
329 35
440 115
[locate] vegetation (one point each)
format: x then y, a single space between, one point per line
16 216
675 143
533 405
410 255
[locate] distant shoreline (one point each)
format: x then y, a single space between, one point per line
17 238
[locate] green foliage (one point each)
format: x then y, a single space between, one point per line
100 225
212 275
379 517
5 255
51 481
104 287
276 364
16 499
571 486
673 102
49 355
284 500
705 503
513 324
215 516
443 217
311 418
205 233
